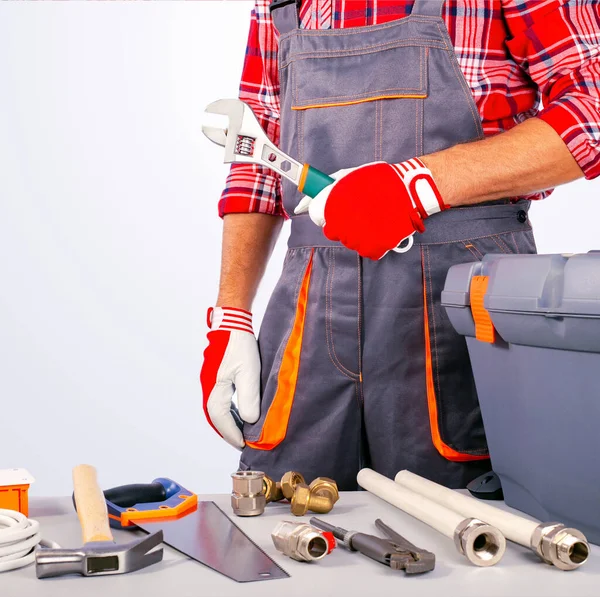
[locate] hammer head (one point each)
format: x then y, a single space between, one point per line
99 558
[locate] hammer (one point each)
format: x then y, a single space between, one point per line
100 555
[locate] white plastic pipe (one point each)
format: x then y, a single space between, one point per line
436 516
514 528
563 547
480 543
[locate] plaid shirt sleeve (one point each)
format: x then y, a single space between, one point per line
250 188
558 43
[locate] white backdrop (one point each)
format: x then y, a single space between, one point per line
110 240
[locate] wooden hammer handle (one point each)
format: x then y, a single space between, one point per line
91 505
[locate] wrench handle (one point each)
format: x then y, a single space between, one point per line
91 505
313 181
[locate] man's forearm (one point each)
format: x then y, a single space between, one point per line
530 157
248 241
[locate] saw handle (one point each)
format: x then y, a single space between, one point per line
128 496
313 181
91 505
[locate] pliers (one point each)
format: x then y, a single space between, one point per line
396 552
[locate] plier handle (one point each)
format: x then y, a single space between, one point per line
396 551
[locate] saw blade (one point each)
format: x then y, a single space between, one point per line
209 536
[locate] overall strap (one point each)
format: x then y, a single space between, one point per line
428 8
285 15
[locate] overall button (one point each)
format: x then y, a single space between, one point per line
522 216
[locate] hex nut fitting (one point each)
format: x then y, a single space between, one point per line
300 499
481 543
326 487
273 491
289 482
304 500
301 542
557 545
248 495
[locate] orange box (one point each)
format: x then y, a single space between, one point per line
14 487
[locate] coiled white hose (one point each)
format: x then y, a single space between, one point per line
19 536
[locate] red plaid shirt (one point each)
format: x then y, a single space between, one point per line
516 55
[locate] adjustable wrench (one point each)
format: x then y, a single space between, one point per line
245 141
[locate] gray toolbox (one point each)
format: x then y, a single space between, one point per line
538 381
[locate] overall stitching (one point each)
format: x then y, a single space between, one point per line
500 245
370 96
328 320
416 127
515 242
463 85
358 30
301 138
417 5
367 96
466 240
371 49
474 251
359 312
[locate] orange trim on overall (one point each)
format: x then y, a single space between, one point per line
362 101
303 178
444 449
484 328
276 422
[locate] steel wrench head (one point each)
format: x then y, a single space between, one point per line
241 123
245 140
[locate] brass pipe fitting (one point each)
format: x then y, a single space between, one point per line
273 491
248 495
289 481
301 542
304 500
323 486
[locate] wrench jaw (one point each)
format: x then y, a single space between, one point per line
245 141
242 122
216 135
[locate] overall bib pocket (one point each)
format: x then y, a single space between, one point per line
336 100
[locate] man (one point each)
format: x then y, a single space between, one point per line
441 122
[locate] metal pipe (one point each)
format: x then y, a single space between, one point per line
555 544
480 543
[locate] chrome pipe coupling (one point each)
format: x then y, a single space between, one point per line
481 543
248 495
563 547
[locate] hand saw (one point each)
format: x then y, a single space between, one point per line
198 529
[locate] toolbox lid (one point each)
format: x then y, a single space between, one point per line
457 287
15 476
553 285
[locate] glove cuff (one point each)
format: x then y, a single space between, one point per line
421 187
229 318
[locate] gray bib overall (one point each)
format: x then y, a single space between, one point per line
360 364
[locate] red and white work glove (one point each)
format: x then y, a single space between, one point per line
231 364
371 209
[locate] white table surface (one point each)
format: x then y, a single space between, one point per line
342 573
